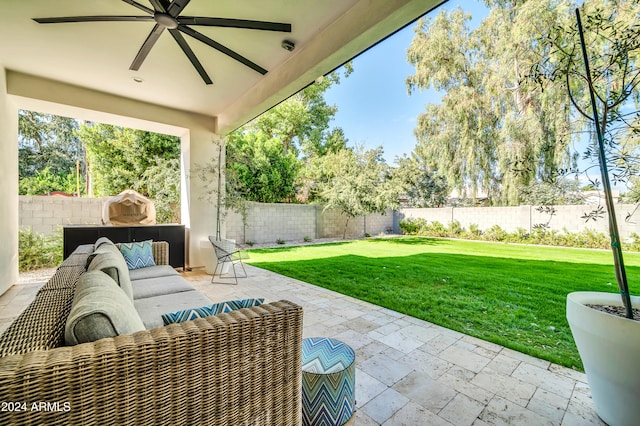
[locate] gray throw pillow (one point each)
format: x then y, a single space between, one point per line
100 309
109 260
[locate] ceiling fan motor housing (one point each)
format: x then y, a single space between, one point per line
166 20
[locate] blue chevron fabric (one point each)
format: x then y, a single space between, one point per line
210 310
328 382
137 255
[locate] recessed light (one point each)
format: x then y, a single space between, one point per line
138 79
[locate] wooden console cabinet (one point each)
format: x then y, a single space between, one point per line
174 234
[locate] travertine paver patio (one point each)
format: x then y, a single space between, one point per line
409 372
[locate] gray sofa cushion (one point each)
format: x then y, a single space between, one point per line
103 240
151 309
100 309
158 286
109 260
152 272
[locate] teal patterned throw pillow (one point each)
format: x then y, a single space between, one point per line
207 311
137 255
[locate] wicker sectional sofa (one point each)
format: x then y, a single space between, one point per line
238 368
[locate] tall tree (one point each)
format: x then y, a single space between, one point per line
494 130
266 157
259 169
48 151
121 158
421 186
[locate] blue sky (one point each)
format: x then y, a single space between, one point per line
374 108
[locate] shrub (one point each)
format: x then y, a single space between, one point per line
495 233
249 243
307 239
474 231
455 229
37 250
436 229
634 244
538 235
521 234
280 241
413 226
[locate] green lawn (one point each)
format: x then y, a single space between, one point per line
513 295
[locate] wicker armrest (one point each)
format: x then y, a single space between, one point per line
243 367
160 252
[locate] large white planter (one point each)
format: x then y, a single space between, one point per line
610 350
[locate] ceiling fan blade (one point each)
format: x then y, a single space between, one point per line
160 5
192 56
206 40
235 23
146 47
139 6
93 19
176 7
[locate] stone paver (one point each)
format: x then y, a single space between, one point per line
408 371
462 410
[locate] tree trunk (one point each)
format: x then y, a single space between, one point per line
346 225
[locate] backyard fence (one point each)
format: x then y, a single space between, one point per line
268 223
265 223
271 222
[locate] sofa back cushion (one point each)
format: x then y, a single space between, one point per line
108 259
100 309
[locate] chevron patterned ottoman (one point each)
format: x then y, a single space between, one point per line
328 382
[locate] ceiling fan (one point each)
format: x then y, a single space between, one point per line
166 15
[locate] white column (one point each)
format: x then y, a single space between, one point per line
8 188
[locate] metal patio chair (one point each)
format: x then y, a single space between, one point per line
226 252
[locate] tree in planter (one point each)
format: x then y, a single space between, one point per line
222 187
602 88
598 65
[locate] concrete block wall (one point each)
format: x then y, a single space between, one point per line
508 218
267 223
45 214
377 223
567 218
333 223
271 222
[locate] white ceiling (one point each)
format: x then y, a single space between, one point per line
97 55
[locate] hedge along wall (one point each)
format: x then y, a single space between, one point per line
526 217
